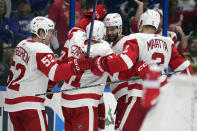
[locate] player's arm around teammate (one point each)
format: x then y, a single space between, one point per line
32 66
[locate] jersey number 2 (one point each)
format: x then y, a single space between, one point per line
12 84
158 55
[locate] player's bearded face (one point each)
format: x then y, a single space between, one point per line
112 33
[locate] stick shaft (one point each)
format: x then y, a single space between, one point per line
91 30
102 84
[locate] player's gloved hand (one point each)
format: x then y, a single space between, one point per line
101 11
151 89
141 68
81 64
49 96
99 65
51 84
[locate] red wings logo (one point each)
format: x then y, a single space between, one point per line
77 52
107 19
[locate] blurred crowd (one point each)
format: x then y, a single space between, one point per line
15 17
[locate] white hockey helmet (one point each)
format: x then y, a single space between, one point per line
98 30
41 23
113 19
150 17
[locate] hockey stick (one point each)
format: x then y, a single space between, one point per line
91 29
102 84
89 86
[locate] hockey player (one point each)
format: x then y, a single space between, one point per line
80 107
101 11
138 49
181 45
32 66
113 23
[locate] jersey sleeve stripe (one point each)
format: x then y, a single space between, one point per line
127 60
52 72
183 66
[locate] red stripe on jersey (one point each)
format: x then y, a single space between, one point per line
31 41
135 86
71 33
131 50
119 87
81 96
164 82
24 99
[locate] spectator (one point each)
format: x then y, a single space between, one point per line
5 26
59 13
180 45
8 9
40 7
21 22
186 4
179 18
127 10
2 67
142 6
6 61
14 7
191 55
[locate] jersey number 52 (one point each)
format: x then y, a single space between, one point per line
12 83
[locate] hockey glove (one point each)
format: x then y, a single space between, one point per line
141 68
151 89
49 96
99 65
51 84
81 64
101 11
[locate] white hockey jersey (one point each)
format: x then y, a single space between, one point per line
77 46
151 48
32 66
118 89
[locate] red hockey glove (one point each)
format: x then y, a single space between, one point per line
141 68
81 64
151 89
49 96
51 84
101 11
99 65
